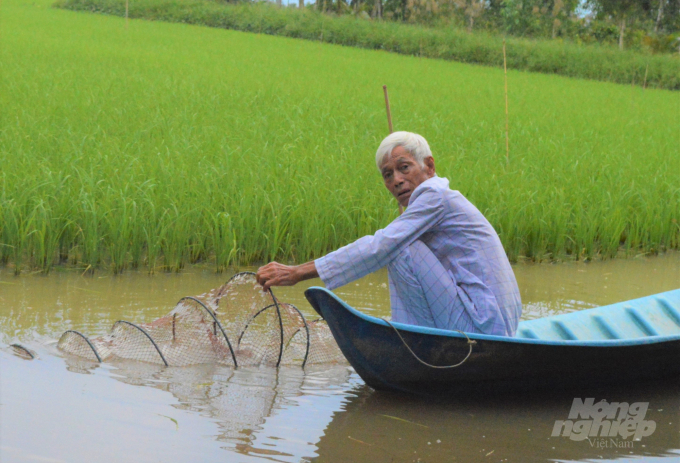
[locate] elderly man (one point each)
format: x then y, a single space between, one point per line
446 265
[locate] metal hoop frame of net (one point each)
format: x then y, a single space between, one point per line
22 351
202 329
76 343
256 337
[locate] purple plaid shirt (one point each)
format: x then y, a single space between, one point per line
459 236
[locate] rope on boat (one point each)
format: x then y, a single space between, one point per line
469 341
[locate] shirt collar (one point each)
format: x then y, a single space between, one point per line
434 182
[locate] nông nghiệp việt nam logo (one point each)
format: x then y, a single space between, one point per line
588 419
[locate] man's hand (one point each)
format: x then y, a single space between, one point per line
275 274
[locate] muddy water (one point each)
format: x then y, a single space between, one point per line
59 409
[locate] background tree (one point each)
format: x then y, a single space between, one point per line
619 10
396 9
659 15
534 17
471 9
645 25
422 10
668 17
557 8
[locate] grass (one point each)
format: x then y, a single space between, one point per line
160 145
548 56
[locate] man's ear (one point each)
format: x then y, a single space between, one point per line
429 166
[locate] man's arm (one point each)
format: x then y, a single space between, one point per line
372 252
275 274
365 255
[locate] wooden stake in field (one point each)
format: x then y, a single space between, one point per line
507 125
387 106
389 123
644 83
126 13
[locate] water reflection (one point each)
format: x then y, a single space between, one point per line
266 412
79 364
67 409
377 427
244 402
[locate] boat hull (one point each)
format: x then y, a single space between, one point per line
496 363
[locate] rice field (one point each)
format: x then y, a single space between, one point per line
158 145
598 62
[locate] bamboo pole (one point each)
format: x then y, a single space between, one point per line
387 107
389 123
507 124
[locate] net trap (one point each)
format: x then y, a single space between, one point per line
236 325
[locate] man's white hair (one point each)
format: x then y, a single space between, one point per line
413 143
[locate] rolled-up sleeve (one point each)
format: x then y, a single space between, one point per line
372 252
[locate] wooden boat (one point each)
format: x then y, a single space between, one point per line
626 342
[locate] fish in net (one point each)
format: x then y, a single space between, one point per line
237 324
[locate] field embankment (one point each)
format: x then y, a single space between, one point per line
552 57
157 145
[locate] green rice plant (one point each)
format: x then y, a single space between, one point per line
119 223
222 239
153 228
160 145
90 227
16 235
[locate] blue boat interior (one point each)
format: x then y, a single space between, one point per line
651 316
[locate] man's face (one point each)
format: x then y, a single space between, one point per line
402 174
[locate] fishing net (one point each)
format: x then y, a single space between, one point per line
22 351
322 345
79 345
237 324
